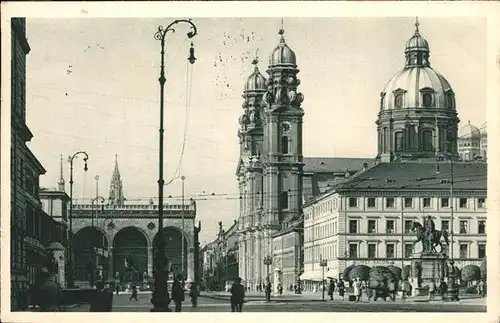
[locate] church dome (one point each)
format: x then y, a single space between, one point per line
256 81
282 54
469 131
416 42
417 86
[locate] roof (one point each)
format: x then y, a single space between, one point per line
414 175
334 164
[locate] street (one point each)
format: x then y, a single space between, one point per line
288 303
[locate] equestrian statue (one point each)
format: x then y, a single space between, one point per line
429 236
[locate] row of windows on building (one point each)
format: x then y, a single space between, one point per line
426 142
428 99
390 202
469 144
390 250
329 229
390 226
329 251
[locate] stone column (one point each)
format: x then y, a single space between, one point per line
190 265
110 263
259 256
150 261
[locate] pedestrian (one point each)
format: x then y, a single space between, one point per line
47 292
268 289
443 287
134 293
432 290
406 289
280 289
237 295
331 289
481 288
103 299
341 288
392 289
193 293
177 293
357 289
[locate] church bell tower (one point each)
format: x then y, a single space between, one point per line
282 125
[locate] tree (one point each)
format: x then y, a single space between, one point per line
396 271
483 268
345 273
360 271
470 273
380 277
405 273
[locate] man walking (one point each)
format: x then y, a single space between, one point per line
237 295
177 293
134 293
268 290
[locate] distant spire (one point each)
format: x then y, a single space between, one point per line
116 186
60 182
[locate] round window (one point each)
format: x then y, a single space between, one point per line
427 99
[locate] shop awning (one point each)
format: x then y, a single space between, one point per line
332 273
312 275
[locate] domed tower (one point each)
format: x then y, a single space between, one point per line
283 138
469 142
251 137
249 171
417 117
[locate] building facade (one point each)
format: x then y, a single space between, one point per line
473 142
27 250
423 169
274 178
120 236
369 219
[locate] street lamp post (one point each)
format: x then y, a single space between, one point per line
268 261
70 233
94 200
452 291
323 263
160 298
182 217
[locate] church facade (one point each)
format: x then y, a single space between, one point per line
119 237
274 178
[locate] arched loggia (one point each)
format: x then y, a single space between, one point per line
173 250
91 251
130 254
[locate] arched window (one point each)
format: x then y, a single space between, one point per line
427 100
398 100
284 145
398 138
427 144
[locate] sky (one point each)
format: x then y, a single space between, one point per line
92 84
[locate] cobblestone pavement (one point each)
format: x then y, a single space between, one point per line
298 303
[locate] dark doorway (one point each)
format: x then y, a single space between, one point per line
130 255
91 250
173 250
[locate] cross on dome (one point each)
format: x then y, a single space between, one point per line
281 32
416 25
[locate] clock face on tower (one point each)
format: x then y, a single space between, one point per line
285 126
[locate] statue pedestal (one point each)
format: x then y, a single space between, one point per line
432 269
